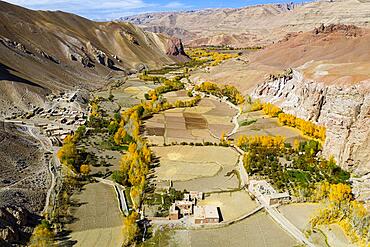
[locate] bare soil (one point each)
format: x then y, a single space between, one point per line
24 177
98 219
259 230
197 168
232 204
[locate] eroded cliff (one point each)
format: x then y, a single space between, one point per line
344 110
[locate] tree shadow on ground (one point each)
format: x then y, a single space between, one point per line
65 240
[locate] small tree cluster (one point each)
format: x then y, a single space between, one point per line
271 110
135 163
256 105
68 154
189 103
212 57
130 229
232 94
168 85
42 236
340 207
290 169
96 116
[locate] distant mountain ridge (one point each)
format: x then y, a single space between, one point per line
253 25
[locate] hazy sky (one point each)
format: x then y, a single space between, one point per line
112 9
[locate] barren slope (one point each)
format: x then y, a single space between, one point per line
330 85
255 25
52 51
336 54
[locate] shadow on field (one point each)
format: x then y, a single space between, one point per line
221 218
65 239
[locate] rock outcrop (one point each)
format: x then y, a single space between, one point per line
13 44
344 110
100 56
14 225
175 47
349 30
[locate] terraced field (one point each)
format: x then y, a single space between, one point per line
204 168
261 125
172 97
98 220
203 123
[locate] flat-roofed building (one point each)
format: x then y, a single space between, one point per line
185 207
278 198
174 213
206 214
266 194
196 195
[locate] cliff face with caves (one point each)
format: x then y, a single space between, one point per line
345 111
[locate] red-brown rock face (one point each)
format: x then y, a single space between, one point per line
175 47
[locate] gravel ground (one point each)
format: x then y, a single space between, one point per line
24 178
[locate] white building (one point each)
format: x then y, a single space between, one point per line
265 193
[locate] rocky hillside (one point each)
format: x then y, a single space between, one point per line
52 51
345 111
16 225
330 85
255 25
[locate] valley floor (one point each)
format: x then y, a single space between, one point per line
98 209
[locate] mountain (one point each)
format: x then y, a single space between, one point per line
43 52
330 85
255 25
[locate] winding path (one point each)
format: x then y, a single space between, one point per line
53 165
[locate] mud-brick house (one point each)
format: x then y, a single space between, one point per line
206 215
185 207
174 213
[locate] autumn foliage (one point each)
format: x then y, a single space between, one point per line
271 110
307 127
233 95
168 85
68 154
341 208
130 228
261 141
85 169
256 105
213 57
42 235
